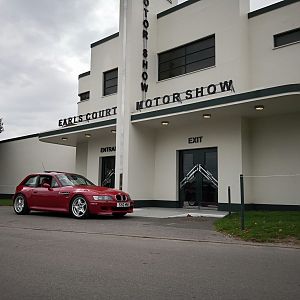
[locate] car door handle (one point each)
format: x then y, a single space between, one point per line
35 192
64 193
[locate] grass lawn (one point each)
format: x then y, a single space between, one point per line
263 226
6 202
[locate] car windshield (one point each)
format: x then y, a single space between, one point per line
73 179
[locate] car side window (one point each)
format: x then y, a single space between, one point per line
54 183
44 179
32 181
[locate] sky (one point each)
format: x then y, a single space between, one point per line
44 46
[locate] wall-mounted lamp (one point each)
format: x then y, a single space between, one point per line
64 139
113 131
259 107
206 116
87 135
165 123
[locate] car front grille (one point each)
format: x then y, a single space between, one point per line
121 197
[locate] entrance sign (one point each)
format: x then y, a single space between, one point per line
107 149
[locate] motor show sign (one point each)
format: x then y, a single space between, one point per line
198 92
144 84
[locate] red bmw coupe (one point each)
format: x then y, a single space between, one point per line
69 193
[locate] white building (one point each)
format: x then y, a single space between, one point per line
24 155
200 85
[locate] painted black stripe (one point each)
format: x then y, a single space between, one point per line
271 8
78 128
220 101
175 8
20 138
84 74
108 38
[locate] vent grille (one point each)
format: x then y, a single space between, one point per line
121 197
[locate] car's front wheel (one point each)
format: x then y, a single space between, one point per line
79 207
20 205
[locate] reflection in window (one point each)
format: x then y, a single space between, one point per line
187 58
110 82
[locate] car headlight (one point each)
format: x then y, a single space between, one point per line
103 198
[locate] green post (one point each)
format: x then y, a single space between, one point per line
229 201
242 202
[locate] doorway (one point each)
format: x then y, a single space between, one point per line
107 167
198 177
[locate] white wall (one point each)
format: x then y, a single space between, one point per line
199 20
269 66
19 158
104 57
223 134
81 158
275 144
141 164
93 154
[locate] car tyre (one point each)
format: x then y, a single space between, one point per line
20 205
79 207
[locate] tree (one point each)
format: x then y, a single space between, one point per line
1 125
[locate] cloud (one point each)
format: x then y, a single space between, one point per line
44 46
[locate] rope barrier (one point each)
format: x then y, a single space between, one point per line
270 176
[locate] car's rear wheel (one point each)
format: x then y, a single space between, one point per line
20 205
79 207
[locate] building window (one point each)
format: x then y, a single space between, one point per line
110 83
84 96
288 37
187 58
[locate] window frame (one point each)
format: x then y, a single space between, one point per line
284 34
87 93
36 177
206 44
105 80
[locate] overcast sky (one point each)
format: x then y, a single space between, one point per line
44 45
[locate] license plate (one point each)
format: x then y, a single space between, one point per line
123 204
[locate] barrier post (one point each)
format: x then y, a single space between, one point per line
242 202
229 200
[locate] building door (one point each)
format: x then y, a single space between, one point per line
198 177
107 166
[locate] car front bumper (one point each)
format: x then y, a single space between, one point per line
109 207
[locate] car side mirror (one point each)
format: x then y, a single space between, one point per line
46 185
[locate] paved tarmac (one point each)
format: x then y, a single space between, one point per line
157 212
52 256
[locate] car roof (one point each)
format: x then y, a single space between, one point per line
52 173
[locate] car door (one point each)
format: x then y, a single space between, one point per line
46 198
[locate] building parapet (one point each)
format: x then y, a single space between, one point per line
106 39
271 8
84 74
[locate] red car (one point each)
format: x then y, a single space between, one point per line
69 193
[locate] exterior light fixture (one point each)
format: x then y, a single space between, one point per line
113 131
64 138
206 116
87 135
259 107
165 123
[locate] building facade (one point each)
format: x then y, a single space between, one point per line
24 155
186 98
